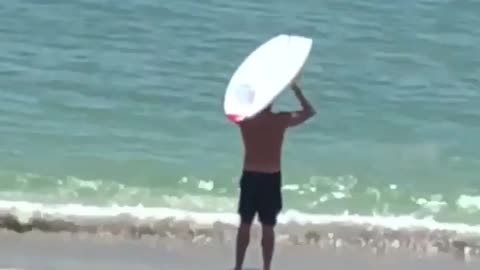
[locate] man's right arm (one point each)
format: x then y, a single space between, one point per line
298 117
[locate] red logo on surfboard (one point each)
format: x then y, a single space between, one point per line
235 118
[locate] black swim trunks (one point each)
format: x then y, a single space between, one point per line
260 193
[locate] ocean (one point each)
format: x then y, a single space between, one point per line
112 108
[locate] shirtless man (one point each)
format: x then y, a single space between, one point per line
260 183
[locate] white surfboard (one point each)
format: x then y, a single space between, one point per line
264 74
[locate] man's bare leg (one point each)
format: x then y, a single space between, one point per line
243 239
268 243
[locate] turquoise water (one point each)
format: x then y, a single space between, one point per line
121 103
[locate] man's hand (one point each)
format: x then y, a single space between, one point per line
296 118
295 80
295 87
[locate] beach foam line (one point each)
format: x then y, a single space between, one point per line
371 232
25 211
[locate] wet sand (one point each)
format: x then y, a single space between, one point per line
123 243
37 250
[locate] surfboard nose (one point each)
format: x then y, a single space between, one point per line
235 118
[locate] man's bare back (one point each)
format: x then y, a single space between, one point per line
263 135
262 138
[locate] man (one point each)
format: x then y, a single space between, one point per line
260 184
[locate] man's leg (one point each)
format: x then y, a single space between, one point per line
268 244
268 218
269 209
246 210
243 239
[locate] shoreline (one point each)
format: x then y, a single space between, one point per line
337 236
